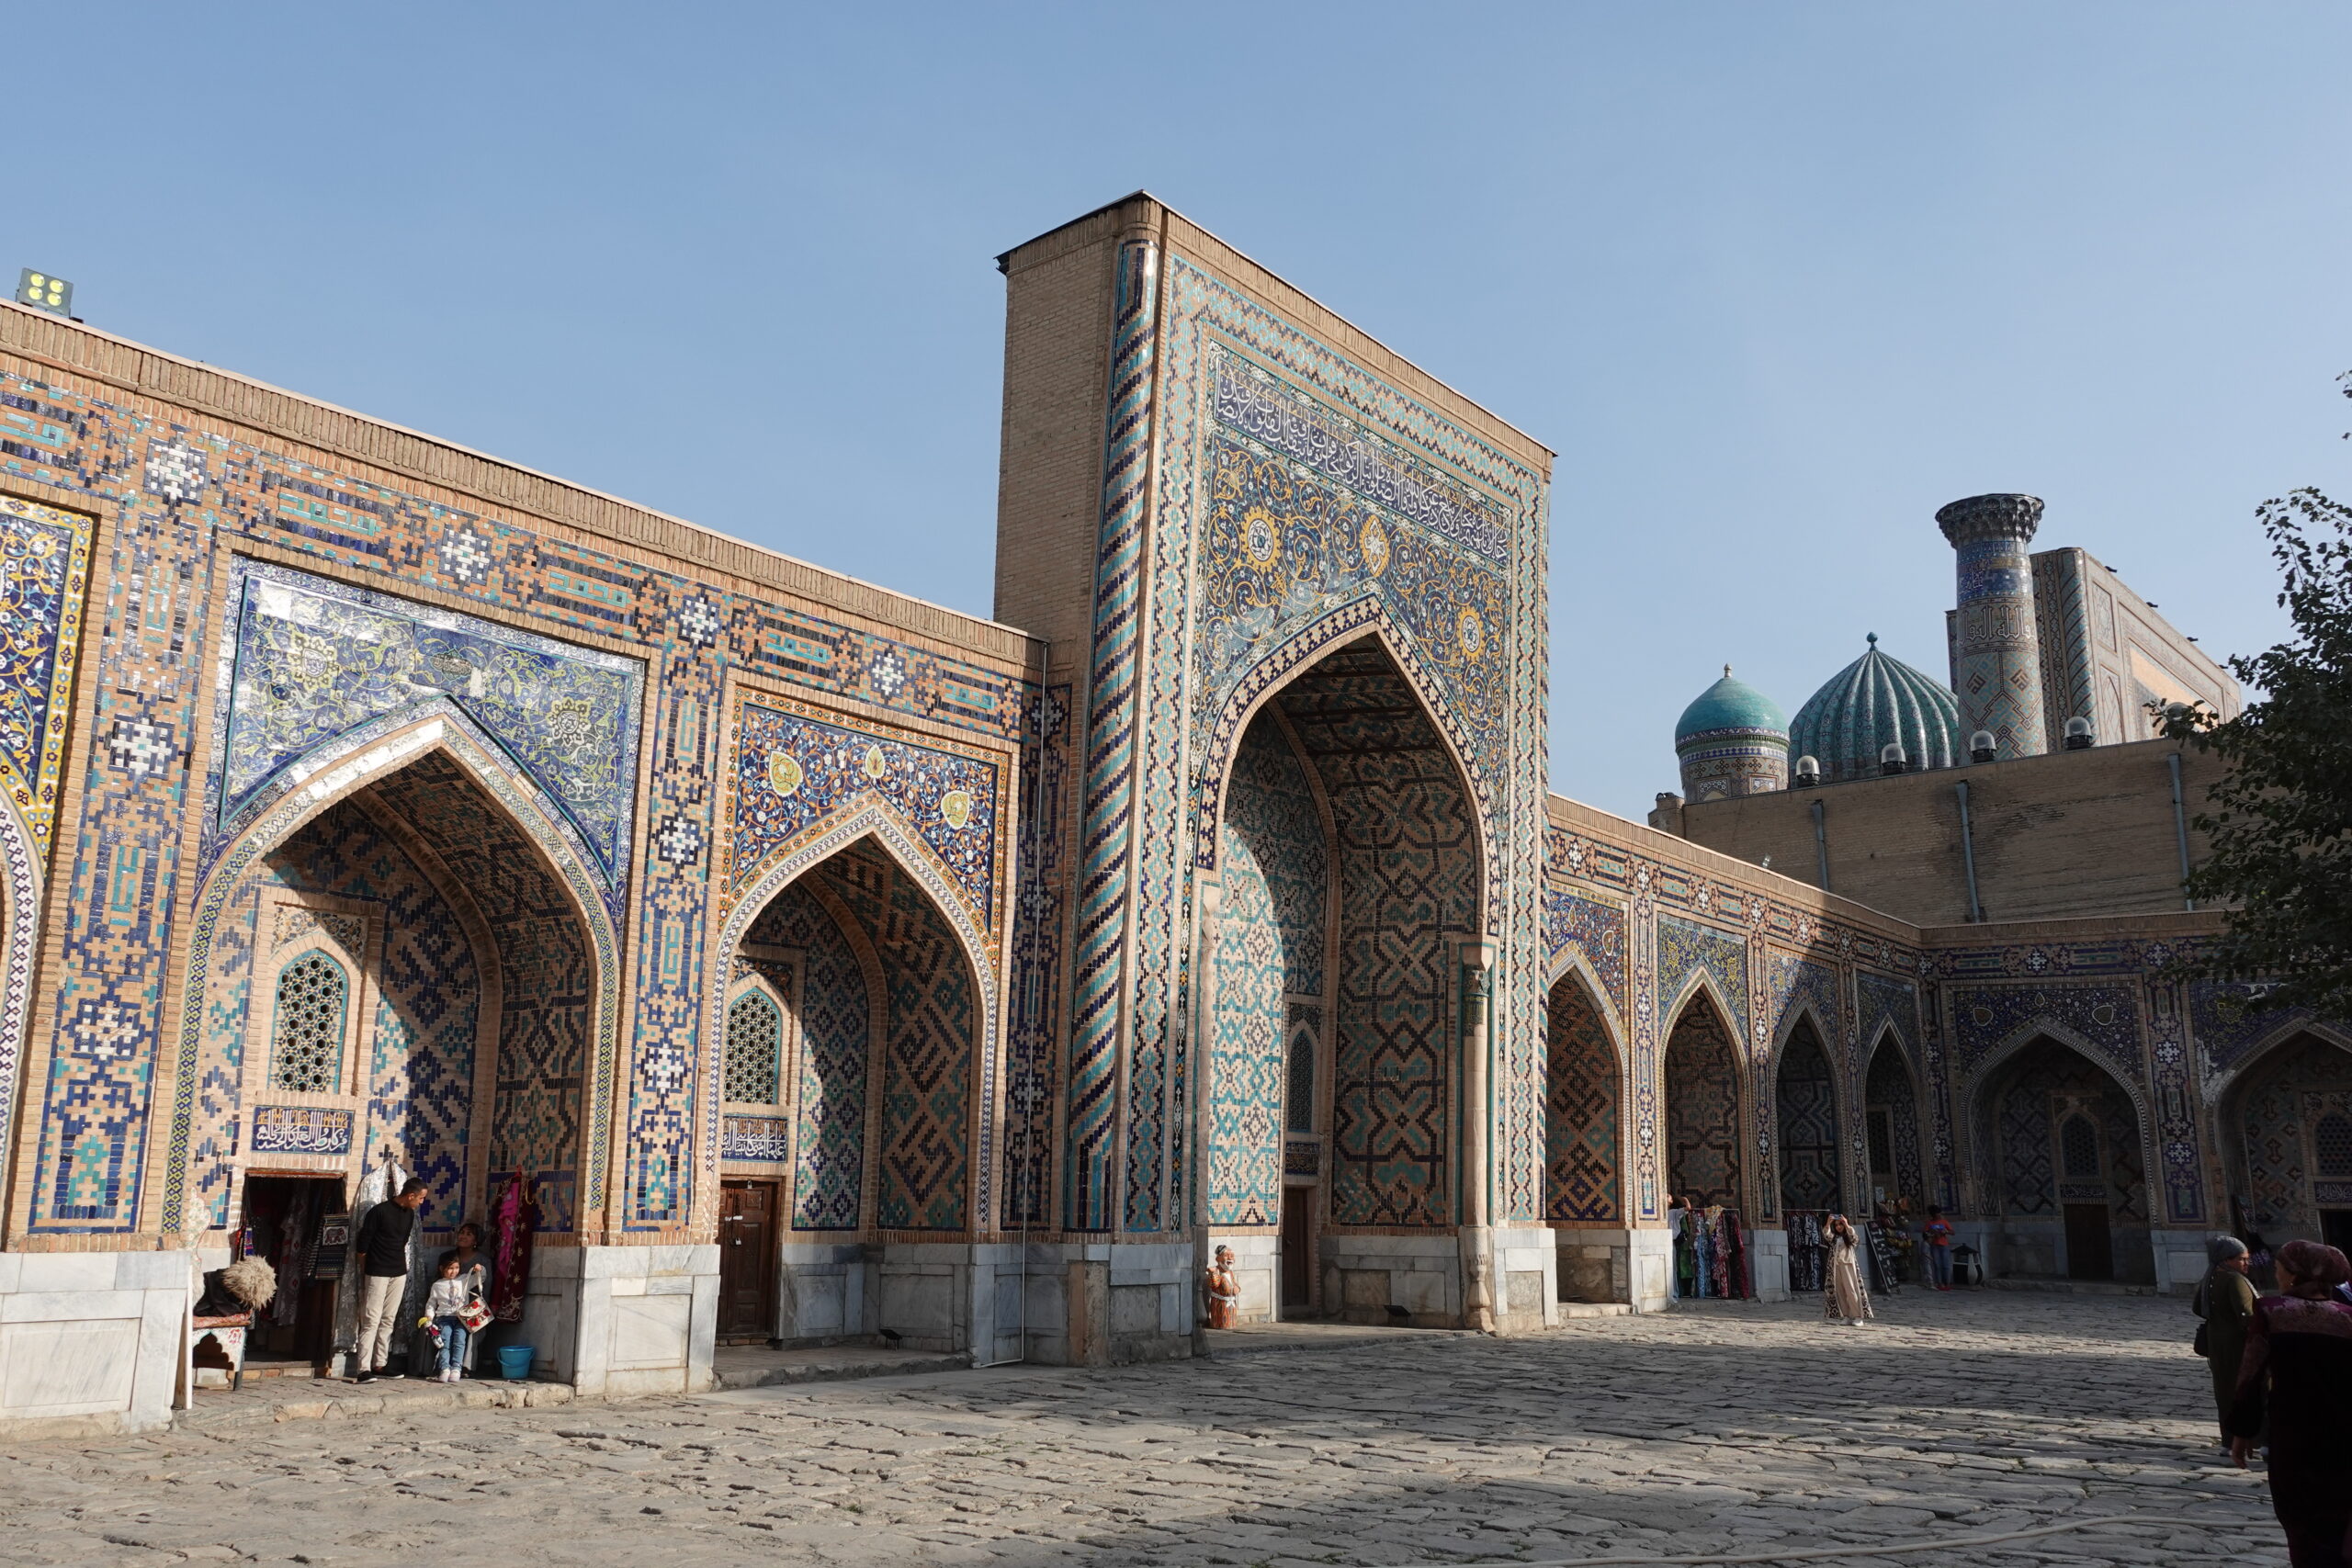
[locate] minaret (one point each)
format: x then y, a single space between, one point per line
1997 652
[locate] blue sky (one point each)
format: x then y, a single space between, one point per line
1776 281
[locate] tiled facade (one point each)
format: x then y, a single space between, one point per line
493 806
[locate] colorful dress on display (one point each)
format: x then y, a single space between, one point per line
512 1220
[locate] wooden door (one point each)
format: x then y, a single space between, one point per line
1298 1249
747 1260
2089 1255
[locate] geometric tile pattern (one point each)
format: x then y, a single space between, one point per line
418 1049
929 1041
2287 1114
1270 941
1702 1121
1409 881
751 1068
1581 1165
832 1009
1888 1088
2036 1094
1032 1047
1808 1107
313 997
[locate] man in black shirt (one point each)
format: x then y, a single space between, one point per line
384 1236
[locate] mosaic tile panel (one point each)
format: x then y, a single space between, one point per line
2280 1114
1040 878
420 1039
1702 1122
44 574
1806 1094
831 1010
2036 1091
1888 1087
1686 948
1270 942
791 769
1409 881
1590 929
308 659
1581 1166
930 1038
2107 1017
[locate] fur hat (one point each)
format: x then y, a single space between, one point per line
252 1281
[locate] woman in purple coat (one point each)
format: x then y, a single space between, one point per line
2298 1372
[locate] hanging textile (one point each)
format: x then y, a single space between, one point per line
1703 1252
293 1261
512 1220
1805 1253
1740 1283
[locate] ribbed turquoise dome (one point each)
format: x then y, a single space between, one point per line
1876 700
1730 705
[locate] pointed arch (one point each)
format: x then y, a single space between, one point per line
872 817
1360 621
2054 1214
1707 1093
1893 1115
1806 1109
753 1056
333 771
1586 1092
1983 1075
2281 1119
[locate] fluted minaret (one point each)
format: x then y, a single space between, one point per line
1997 652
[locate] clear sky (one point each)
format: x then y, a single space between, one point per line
1775 280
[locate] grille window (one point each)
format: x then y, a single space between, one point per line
307 1056
2079 1146
754 1049
1298 1099
2332 1145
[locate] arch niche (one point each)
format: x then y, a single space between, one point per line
1891 1126
2286 1127
865 1137
1349 863
1583 1169
1704 1101
2067 1165
402 958
1805 1092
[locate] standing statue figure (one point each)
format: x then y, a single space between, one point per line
1225 1292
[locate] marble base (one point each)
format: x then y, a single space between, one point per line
92 1341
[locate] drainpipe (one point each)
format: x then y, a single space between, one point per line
2180 827
1821 842
1968 855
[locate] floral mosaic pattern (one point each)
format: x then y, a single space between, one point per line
792 770
44 572
1588 927
312 659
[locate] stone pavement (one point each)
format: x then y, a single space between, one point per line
1722 1428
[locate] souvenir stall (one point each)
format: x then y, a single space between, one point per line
1711 1255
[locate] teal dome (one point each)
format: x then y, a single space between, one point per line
1730 705
1872 703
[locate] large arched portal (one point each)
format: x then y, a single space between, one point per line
1806 1094
1582 1172
2069 1180
848 1069
1349 863
402 976
2286 1131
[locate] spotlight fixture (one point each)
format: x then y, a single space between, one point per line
44 292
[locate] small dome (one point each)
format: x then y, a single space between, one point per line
1876 701
1730 705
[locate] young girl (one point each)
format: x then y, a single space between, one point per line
443 1304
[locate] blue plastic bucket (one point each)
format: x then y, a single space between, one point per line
514 1360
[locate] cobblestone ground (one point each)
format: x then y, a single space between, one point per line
1725 1429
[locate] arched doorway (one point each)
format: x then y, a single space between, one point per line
402 975
848 1069
2069 1180
1581 1169
1806 1093
2287 1131
1348 862
1891 1128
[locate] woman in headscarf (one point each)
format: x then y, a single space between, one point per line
2297 1374
1843 1295
2224 1299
